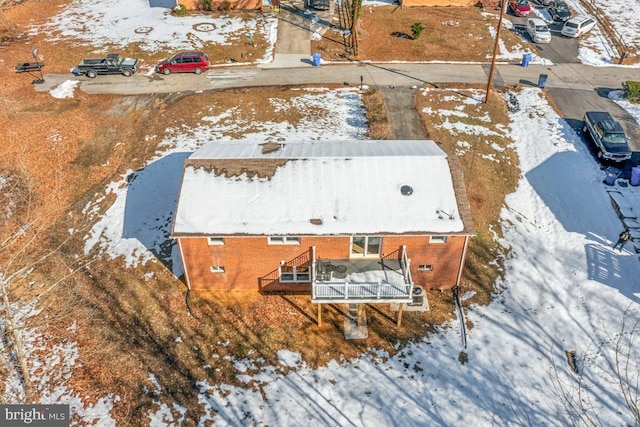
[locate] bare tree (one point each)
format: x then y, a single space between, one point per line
608 370
25 245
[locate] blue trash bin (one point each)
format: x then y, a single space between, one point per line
526 58
316 59
542 81
635 176
611 174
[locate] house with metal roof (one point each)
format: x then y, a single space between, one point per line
355 221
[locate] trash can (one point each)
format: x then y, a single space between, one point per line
611 174
542 81
316 59
526 58
635 176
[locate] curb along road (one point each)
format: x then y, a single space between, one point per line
566 76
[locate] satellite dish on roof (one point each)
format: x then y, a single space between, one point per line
406 190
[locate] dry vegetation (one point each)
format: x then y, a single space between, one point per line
450 34
57 154
491 171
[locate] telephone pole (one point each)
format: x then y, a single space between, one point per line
503 6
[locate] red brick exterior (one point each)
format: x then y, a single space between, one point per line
250 262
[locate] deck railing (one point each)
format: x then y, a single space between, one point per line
405 263
358 291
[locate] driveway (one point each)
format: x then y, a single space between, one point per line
573 103
561 50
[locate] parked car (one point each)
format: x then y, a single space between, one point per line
607 135
578 25
112 64
559 10
184 62
520 7
538 30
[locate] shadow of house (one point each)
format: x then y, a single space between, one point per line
149 209
167 4
559 179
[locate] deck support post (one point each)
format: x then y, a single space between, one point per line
319 315
400 314
360 310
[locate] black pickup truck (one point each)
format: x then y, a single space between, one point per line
607 135
112 64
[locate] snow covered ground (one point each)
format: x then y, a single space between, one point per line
564 288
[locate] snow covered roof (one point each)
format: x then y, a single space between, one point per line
318 188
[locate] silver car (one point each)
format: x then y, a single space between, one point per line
578 25
538 30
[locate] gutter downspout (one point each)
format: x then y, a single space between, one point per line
186 279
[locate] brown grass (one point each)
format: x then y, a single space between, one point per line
450 34
376 115
64 152
490 172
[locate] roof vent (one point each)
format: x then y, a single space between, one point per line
315 221
406 190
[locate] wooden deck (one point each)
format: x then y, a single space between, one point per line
361 281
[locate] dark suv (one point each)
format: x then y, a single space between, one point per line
607 135
184 62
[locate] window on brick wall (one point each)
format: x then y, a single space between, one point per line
292 273
283 240
425 267
217 269
215 241
438 239
366 246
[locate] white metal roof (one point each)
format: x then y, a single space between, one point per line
351 187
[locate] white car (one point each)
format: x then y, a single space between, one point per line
538 30
578 25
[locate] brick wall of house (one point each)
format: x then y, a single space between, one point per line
444 258
250 262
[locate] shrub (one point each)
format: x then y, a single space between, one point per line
632 90
180 10
416 29
207 4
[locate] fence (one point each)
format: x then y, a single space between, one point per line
609 32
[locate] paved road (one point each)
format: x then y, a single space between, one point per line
565 76
575 87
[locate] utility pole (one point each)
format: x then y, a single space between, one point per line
354 26
503 6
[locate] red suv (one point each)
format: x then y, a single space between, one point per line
520 7
184 62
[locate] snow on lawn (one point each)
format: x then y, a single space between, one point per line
137 225
116 24
564 289
64 90
51 365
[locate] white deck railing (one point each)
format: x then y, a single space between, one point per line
336 291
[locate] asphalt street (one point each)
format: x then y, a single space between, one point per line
574 87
